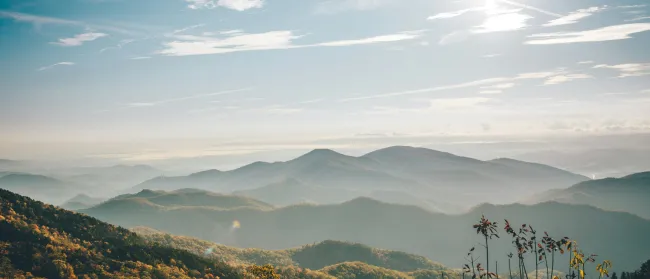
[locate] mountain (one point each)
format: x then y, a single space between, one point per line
326 176
187 198
312 256
411 229
48 242
630 194
38 186
81 201
42 241
595 162
107 180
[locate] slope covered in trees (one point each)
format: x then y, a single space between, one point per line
313 256
45 241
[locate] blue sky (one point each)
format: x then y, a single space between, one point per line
117 71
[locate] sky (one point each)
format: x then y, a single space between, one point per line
174 78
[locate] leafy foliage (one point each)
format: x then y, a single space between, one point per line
40 240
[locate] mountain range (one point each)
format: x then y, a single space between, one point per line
388 226
629 194
433 179
37 186
42 241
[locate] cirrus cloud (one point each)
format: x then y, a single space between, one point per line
609 33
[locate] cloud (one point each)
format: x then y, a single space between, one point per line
182 30
586 62
543 11
628 70
489 92
160 102
610 33
237 5
118 46
574 17
408 35
503 22
140 57
476 83
454 37
57 64
80 39
565 78
492 55
40 20
500 86
457 103
638 18
338 6
452 14
235 42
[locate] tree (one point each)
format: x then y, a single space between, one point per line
614 276
263 272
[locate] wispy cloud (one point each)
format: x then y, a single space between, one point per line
586 62
54 65
457 103
496 88
237 5
503 22
453 14
118 46
140 57
638 18
565 78
182 30
41 20
80 39
576 16
529 7
492 55
338 6
235 42
610 33
166 101
476 83
490 92
628 70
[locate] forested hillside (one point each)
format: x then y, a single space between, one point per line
43 241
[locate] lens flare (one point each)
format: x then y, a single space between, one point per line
236 224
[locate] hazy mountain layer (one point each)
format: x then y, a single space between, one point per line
444 238
38 186
630 194
81 201
42 241
436 178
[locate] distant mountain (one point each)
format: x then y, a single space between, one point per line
49 242
108 180
630 194
444 238
38 186
183 198
81 201
326 176
599 163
